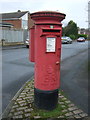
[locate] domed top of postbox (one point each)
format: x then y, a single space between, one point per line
49 16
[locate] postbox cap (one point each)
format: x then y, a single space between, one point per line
47 14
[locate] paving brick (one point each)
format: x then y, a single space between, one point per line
27 88
26 98
31 94
23 104
65 110
26 91
32 90
31 108
18 99
61 117
69 114
15 117
27 115
22 101
19 116
23 93
12 110
63 106
30 100
67 101
29 105
83 115
70 105
15 103
64 98
36 117
71 118
77 116
15 106
22 108
72 108
29 97
77 111
29 85
61 103
28 110
10 115
21 96
18 113
61 96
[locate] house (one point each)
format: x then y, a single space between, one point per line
4 25
19 19
15 26
82 31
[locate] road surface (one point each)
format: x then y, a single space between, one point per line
16 70
74 74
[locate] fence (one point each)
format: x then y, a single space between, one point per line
14 35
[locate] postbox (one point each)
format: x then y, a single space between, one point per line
32 42
45 51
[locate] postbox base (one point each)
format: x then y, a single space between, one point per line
46 100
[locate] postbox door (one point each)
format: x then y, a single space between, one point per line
48 63
53 50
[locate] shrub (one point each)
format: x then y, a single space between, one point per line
72 37
82 35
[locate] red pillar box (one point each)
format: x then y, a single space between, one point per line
46 52
31 45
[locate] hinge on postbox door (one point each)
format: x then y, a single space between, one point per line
57 62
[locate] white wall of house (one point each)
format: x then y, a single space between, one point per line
25 21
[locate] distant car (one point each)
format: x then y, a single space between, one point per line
27 42
66 40
81 39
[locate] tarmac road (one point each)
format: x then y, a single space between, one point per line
16 70
74 74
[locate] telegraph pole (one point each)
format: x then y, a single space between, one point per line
89 20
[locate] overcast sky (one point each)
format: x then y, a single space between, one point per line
75 10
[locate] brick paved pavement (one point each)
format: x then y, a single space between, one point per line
21 106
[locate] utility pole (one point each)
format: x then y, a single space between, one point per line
89 20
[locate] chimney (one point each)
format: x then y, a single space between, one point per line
19 10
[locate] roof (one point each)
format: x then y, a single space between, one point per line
13 15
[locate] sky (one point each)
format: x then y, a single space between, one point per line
75 10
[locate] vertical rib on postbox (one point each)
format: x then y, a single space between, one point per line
32 45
